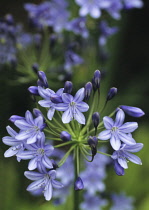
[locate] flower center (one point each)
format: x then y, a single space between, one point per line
72 103
114 129
40 151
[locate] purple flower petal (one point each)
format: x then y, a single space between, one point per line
108 122
25 155
134 148
23 135
115 142
60 91
45 103
67 116
10 152
128 127
56 184
32 164
132 111
79 117
10 141
32 175
32 139
48 191
61 107
105 135
45 93
133 158
50 113
67 98
35 185
38 121
29 118
120 116
11 132
47 162
79 96
82 106
22 124
123 162
126 138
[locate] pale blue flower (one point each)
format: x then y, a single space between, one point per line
122 202
73 107
38 152
16 145
43 180
124 154
47 94
30 128
117 131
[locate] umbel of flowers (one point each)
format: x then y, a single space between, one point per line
76 122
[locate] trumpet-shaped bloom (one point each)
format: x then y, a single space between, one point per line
73 107
16 145
47 94
117 131
38 152
30 128
124 154
43 180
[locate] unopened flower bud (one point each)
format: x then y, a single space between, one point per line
119 170
88 90
33 90
37 112
93 141
42 77
112 92
78 185
68 87
56 98
13 118
96 80
65 136
35 67
132 111
95 119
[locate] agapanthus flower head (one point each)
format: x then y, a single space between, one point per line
73 107
44 180
117 131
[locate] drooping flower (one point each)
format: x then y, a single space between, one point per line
30 128
16 145
47 94
73 107
132 111
38 152
124 154
43 180
117 131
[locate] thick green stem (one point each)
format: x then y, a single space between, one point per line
76 193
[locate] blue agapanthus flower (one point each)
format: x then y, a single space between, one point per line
38 153
30 128
73 107
105 32
47 94
93 8
44 181
78 26
72 59
124 154
53 13
117 131
16 145
94 202
121 201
